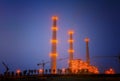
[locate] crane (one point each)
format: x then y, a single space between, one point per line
44 63
6 67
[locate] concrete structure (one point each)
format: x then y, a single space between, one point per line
71 50
87 51
54 42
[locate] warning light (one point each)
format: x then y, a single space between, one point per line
54 18
53 54
87 39
54 41
70 32
71 41
71 51
54 28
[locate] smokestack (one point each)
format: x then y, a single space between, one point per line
71 50
54 42
87 50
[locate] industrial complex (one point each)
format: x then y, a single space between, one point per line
75 66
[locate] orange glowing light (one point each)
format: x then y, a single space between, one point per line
18 71
54 28
71 51
110 71
63 70
54 18
70 40
54 41
70 32
53 54
87 39
78 65
40 71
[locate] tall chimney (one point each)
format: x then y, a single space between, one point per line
71 50
87 50
54 42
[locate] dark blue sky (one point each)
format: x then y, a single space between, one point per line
25 31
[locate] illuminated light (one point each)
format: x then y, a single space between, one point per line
53 54
54 28
79 65
71 51
96 72
110 71
86 64
63 70
54 41
18 71
70 41
54 18
87 39
70 32
40 70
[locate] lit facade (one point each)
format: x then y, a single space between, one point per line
79 66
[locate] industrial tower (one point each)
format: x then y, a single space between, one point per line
54 42
87 50
71 50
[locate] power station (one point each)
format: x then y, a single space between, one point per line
75 65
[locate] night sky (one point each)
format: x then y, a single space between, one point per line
25 32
